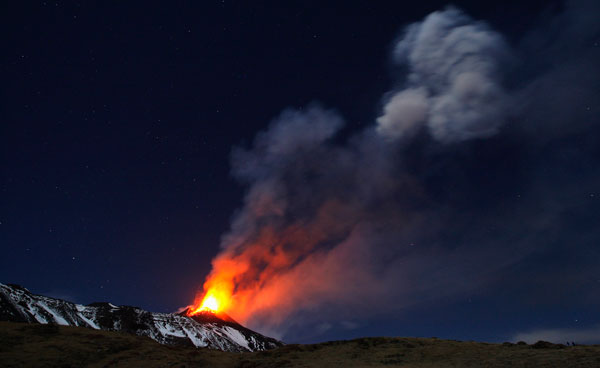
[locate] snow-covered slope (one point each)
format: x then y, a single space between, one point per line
203 330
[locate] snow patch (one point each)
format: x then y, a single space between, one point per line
198 342
236 336
58 319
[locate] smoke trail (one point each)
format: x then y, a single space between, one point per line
388 218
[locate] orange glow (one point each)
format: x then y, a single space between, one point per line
266 275
210 303
219 286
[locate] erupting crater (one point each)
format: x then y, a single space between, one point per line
210 303
210 308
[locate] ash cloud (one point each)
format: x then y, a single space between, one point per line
454 80
474 166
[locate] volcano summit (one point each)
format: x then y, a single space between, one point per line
203 329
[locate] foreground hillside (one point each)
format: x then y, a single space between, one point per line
34 345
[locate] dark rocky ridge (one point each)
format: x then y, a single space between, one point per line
205 329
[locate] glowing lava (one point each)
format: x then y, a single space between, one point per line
218 295
212 302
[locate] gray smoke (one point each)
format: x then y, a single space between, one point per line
454 81
390 219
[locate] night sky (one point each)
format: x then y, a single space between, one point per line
118 123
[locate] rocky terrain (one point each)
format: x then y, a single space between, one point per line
205 329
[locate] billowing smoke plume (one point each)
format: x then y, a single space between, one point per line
400 213
453 85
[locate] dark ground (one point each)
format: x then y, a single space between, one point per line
33 345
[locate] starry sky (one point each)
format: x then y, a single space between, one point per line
118 123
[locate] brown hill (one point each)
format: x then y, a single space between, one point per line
33 345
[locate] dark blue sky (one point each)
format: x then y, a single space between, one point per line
118 121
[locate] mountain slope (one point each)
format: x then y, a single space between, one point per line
206 329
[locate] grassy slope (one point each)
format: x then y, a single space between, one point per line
23 345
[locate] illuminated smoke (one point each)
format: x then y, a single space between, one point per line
332 229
